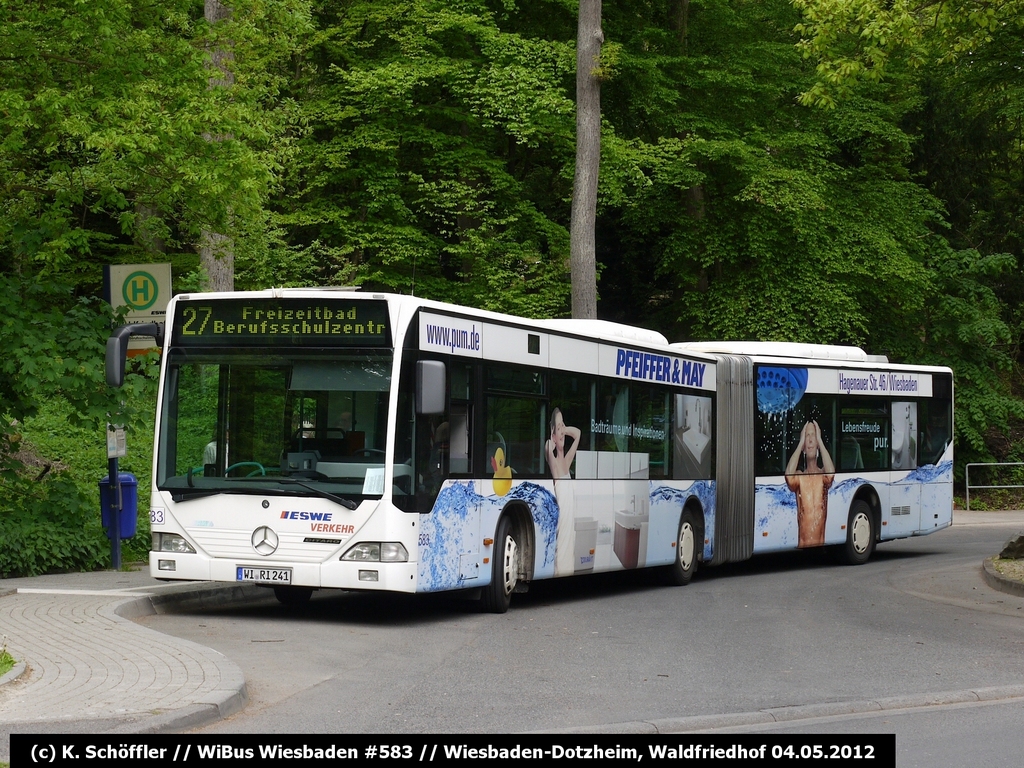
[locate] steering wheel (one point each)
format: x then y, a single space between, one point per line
260 469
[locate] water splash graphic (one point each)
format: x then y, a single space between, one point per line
779 389
676 498
775 525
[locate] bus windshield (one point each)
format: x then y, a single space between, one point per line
274 421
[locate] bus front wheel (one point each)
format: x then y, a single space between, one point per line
687 547
497 595
860 534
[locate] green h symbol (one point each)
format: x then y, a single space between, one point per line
140 287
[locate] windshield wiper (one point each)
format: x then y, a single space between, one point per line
346 503
187 494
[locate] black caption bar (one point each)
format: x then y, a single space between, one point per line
874 751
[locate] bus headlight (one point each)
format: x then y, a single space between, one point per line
378 551
171 542
393 552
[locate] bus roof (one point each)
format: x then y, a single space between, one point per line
607 330
781 349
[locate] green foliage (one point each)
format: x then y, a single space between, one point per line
49 526
107 128
966 328
965 57
51 344
424 163
54 404
79 453
863 40
760 218
427 147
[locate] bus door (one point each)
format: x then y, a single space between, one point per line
905 494
935 455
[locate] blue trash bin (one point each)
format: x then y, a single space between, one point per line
129 513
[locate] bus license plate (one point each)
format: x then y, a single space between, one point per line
264 575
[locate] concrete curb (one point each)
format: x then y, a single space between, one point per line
997 581
227 700
194 716
805 712
210 595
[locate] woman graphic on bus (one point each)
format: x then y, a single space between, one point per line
560 462
809 474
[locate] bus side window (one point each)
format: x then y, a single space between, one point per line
461 422
516 421
692 437
850 454
516 426
934 431
865 442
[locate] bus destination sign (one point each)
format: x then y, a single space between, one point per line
281 322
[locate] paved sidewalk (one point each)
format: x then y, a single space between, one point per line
86 667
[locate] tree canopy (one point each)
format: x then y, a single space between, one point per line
835 171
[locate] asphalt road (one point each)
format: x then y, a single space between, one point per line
772 632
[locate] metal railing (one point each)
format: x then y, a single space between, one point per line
967 476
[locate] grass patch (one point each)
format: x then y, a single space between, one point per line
992 500
6 664
1011 569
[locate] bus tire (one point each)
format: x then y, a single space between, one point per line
292 596
497 595
684 565
860 534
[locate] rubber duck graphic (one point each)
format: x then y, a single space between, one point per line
502 474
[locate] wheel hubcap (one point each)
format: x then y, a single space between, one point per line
509 572
860 531
686 546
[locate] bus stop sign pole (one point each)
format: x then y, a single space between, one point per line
115 449
115 500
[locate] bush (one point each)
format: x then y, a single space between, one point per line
54 405
80 454
46 526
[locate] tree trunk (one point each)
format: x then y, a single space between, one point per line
582 246
146 237
681 23
216 251
217 257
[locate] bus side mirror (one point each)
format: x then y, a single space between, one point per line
117 348
431 387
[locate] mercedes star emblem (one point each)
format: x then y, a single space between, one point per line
265 541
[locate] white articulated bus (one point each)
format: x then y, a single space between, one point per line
317 438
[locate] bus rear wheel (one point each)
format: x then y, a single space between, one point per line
497 595
860 534
684 566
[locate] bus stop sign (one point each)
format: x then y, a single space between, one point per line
144 289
